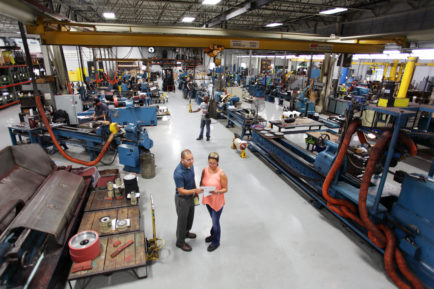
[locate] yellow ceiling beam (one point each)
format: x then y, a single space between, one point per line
95 38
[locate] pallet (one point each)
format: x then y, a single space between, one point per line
97 201
133 257
90 220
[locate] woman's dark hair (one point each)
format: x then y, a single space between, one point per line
214 156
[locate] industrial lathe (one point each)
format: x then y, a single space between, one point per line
347 175
130 142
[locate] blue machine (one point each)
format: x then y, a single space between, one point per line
257 88
304 105
413 211
344 74
142 115
135 143
411 216
360 90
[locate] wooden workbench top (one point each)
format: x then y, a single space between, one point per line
131 257
91 220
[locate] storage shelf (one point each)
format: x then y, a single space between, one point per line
12 66
15 84
9 104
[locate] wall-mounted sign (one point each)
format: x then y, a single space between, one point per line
245 44
320 47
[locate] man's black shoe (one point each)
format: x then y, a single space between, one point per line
191 235
208 239
212 247
199 138
184 247
207 139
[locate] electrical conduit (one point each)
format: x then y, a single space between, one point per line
56 143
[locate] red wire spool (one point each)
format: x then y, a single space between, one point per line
84 246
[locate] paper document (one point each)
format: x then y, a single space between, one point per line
207 190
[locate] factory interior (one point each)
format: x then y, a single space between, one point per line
216 143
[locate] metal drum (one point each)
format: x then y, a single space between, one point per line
84 246
147 165
130 182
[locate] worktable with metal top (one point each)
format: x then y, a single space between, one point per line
299 122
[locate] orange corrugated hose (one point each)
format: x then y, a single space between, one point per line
342 207
380 235
376 236
56 143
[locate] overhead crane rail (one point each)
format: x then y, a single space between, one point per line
100 35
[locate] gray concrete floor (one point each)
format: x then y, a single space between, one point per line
272 237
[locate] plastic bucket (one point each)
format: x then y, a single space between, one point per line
147 165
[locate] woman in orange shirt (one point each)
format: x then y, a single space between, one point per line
213 176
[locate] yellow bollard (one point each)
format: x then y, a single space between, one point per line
386 67
401 100
393 69
189 107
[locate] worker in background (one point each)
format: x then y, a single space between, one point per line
101 111
213 176
353 85
184 199
124 89
205 119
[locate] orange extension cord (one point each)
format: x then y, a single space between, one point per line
381 235
56 143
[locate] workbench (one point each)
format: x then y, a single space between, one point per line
299 122
132 257
97 206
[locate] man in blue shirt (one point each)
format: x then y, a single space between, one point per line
101 111
184 194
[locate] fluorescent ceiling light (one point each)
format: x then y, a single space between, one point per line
210 2
188 19
274 24
333 11
394 51
109 15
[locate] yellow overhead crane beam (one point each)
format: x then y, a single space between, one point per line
100 35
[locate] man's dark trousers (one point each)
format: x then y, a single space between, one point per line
185 210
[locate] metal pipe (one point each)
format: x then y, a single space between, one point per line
401 69
80 61
397 126
406 78
28 58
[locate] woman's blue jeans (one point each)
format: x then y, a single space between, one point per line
215 230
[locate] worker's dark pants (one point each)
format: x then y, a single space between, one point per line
204 122
185 210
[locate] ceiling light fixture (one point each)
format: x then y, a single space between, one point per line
210 2
188 19
274 24
109 15
333 11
